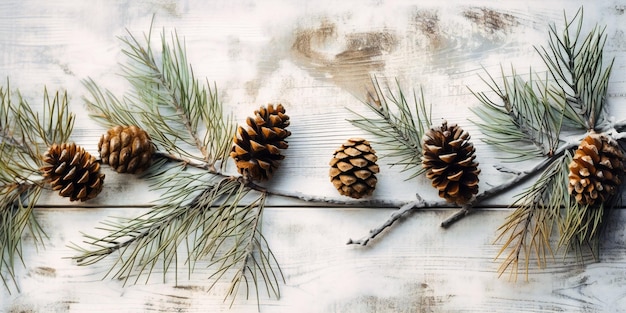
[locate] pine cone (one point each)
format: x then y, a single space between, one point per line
72 171
353 168
127 149
448 157
596 169
256 148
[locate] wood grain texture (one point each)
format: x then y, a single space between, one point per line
317 59
418 267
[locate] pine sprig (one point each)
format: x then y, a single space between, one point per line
580 78
523 123
24 136
574 96
527 230
399 128
202 213
167 101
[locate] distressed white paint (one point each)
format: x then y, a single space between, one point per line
310 57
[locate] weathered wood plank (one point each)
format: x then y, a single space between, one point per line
316 59
418 267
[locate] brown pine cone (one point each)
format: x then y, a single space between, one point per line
72 171
596 170
353 168
448 157
127 149
256 148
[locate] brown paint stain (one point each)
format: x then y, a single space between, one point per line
428 24
45 271
308 39
359 54
189 287
490 21
422 299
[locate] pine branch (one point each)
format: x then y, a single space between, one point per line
537 211
311 198
202 213
215 223
519 178
167 101
24 134
399 129
580 78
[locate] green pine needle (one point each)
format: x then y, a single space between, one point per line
580 78
24 136
179 113
522 123
527 230
201 213
399 128
575 96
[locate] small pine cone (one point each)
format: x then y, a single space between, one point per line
127 149
256 148
596 169
448 157
353 168
72 171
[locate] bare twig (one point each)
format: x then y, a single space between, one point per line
457 216
370 203
619 124
396 215
280 193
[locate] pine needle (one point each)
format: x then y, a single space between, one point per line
522 122
180 114
399 128
527 230
24 136
580 78
201 213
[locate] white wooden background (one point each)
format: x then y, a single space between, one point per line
315 57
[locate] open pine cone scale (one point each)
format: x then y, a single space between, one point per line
72 171
449 160
257 147
596 170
